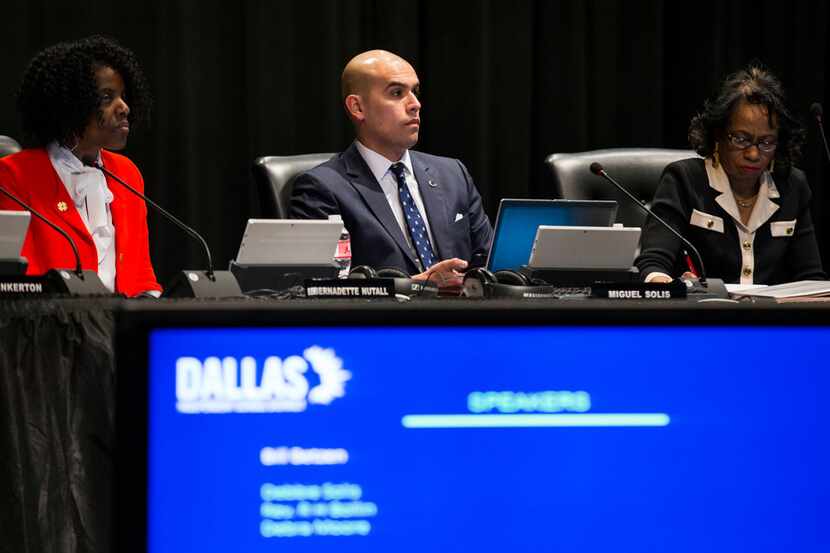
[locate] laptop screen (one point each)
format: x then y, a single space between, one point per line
13 227
518 220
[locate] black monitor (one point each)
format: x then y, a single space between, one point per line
479 436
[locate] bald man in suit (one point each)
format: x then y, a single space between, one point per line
404 209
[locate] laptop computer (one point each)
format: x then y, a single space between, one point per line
517 221
13 227
569 247
289 242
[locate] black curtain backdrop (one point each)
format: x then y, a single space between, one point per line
504 84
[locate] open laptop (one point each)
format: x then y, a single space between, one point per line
569 247
517 221
289 242
13 227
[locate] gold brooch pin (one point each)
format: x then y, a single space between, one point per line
62 206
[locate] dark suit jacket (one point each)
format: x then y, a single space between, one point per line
30 176
344 185
780 256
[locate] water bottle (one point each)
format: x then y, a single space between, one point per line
343 253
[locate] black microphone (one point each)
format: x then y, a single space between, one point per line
78 269
597 169
169 216
60 280
818 112
223 283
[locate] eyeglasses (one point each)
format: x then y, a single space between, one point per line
742 142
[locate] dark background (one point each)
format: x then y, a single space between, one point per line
504 84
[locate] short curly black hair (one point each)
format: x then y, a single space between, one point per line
59 93
757 85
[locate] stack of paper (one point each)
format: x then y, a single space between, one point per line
800 289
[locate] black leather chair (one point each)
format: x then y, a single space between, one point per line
274 177
638 169
8 146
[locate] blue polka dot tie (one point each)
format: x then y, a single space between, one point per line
414 222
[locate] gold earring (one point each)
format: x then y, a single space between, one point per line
716 156
772 165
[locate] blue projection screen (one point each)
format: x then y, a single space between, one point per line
571 439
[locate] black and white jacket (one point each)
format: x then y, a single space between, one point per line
777 245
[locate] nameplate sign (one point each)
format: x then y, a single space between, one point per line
21 286
350 288
54 282
639 290
17 286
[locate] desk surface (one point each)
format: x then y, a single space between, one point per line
450 311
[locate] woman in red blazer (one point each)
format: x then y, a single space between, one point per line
74 106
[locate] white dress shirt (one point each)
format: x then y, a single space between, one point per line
89 192
381 169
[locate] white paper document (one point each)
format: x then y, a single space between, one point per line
801 288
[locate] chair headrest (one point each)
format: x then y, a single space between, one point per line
274 177
638 169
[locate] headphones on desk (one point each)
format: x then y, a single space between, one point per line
402 281
481 283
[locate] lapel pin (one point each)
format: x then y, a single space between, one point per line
62 206
432 183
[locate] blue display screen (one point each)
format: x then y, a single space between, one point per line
517 223
589 439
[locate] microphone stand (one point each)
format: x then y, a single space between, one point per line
188 283
169 216
818 112
75 282
78 269
717 287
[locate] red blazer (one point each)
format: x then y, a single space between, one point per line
30 176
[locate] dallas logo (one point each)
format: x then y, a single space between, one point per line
229 385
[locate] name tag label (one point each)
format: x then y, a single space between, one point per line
639 290
350 288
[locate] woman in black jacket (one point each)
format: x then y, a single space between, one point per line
744 206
